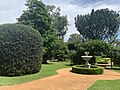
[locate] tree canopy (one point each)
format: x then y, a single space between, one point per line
37 16
59 21
75 38
100 24
40 17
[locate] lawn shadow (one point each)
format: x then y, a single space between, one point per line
48 63
69 64
113 68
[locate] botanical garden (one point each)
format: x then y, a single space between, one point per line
34 55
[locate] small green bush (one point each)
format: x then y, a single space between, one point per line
94 70
20 50
99 59
106 60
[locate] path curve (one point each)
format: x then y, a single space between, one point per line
64 80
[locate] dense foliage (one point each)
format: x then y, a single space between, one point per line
38 17
94 47
75 39
100 24
41 17
59 50
115 55
20 50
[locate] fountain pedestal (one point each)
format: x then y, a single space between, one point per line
87 65
86 58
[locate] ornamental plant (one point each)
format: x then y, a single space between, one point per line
20 50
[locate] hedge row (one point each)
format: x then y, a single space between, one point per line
94 70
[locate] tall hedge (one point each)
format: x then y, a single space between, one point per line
20 50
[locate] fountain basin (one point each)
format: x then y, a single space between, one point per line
86 57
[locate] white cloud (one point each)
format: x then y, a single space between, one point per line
72 9
12 9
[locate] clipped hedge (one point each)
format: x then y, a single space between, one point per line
104 60
20 50
94 70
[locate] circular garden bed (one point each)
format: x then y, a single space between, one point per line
94 70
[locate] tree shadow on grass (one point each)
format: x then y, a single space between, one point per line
69 64
48 63
113 68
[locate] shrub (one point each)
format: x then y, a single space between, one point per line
72 54
20 50
95 47
106 60
115 55
91 71
99 59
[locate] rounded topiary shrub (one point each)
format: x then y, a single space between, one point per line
20 50
94 70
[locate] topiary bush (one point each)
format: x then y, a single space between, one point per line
94 70
20 50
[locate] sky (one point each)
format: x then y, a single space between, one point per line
12 9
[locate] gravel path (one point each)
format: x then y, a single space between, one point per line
65 80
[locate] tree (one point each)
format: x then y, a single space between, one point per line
100 24
95 47
75 38
116 42
59 22
60 50
37 16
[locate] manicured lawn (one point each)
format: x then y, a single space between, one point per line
106 85
116 69
47 70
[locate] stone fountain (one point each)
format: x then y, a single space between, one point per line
87 58
87 68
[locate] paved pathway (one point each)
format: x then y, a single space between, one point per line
65 80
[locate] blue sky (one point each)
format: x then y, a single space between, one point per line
12 9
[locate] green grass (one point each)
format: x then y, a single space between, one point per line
46 70
116 69
106 85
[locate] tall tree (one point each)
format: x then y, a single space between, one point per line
37 16
75 38
59 21
100 24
